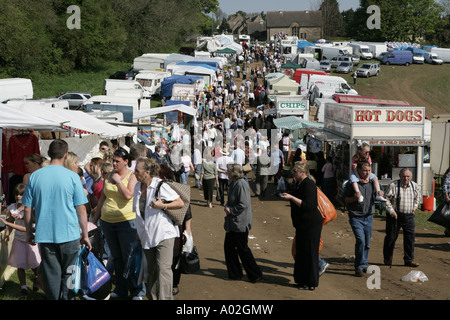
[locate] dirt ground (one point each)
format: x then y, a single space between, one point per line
270 240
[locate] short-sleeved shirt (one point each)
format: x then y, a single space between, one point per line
156 226
54 192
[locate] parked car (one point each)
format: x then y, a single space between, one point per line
337 60
75 98
368 70
123 75
345 67
355 58
325 65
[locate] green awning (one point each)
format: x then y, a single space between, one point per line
291 65
226 50
293 123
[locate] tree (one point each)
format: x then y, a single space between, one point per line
331 18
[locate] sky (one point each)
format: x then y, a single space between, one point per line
249 6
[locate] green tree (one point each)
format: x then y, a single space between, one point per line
331 18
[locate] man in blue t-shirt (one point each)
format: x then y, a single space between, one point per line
57 197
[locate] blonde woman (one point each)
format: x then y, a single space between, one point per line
33 162
307 222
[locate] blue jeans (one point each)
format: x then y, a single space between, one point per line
362 229
198 171
57 262
184 177
120 237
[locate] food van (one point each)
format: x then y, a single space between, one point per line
394 133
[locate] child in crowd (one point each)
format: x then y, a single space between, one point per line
23 255
363 153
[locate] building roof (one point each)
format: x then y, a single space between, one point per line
284 19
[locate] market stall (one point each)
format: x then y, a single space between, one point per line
295 105
395 135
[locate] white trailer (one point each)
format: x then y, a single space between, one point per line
15 88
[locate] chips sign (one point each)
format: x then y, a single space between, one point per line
292 105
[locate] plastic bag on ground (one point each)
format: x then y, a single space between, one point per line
415 276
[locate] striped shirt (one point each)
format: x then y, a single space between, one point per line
409 197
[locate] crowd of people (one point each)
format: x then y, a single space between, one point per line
121 191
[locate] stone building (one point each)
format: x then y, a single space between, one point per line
306 25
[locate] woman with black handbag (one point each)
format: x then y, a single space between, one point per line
156 231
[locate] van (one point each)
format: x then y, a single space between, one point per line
111 85
15 88
362 50
151 80
432 58
398 57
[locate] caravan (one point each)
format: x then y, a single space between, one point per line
110 87
150 61
151 80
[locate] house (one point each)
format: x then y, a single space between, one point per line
254 26
305 25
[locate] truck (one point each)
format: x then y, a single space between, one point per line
368 70
432 58
331 52
398 57
376 48
301 76
110 86
362 50
443 53
15 88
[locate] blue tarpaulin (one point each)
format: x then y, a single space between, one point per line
301 44
167 84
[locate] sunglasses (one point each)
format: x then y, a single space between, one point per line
121 153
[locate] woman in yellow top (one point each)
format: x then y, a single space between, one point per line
118 222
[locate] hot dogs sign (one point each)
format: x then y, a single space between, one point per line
375 115
403 115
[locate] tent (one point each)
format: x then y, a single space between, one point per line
226 50
12 118
167 84
284 86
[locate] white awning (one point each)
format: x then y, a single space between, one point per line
78 120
